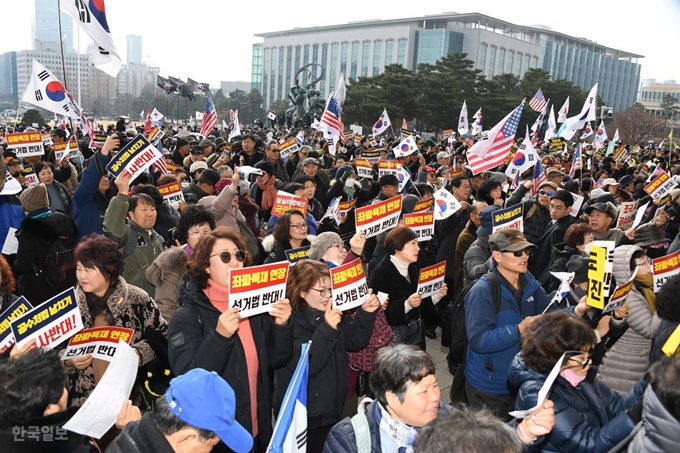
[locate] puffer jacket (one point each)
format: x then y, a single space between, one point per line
475 261
220 207
165 273
588 418
659 432
149 244
275 251
65 197
628 359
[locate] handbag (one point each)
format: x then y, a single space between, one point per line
411 333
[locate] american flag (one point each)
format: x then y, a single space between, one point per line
538 102
576 164
490 152
209 117
331 118
538 177
158 166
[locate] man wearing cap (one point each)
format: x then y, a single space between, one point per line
494 335
272 155
555 176
626 187
443 160
476 259
204 186
535 209
600 217
195 155
389 187
612 186
312 168
195 414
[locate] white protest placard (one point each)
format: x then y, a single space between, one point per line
11 244
431 279
345 206
99 412
422 224
640 214
285 201
49 323
578 202
12 186
25 144
665 268
30 176
349 285
18 308
138 155
378 217
626 213
660 186
288 147
619 296
364 168
100 342
511 217
388 167
543 393
172 194
254 289
65 150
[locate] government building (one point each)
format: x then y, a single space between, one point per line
364 48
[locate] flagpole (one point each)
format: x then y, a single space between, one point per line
61 44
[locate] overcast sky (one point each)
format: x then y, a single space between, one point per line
211 41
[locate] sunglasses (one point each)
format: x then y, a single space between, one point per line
16 174
518 253
545 192
240 256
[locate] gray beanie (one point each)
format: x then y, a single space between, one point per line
35 197
322 243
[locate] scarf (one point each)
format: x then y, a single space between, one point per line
395 437
219 298
645 284
268 192
349 191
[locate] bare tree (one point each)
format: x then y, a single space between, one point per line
635 126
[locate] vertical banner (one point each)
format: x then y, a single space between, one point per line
254 289
349 285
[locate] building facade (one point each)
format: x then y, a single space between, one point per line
134 49
8 77
364 48
45 25
652 95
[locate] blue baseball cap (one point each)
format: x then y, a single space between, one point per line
203 399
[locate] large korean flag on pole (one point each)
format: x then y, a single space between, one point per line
46 91
91 15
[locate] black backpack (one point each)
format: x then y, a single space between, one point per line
59 269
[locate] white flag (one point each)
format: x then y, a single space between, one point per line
236 131
551 127
92 17
141 116
588 113
601 134
46 91
406 147
199 116
445 204
525 157
562 114
156 116
382 124
587 132
403 177
616 138
192 123
463 120
224 125
477 124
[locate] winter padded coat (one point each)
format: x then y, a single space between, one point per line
659 431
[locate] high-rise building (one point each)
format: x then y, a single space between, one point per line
45 26
8 77
364 49
134 49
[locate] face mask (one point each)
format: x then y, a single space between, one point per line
586 249
79 160
186 184
349 182
573 378
654 253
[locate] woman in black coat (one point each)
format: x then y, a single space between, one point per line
333 333
397 275
205 333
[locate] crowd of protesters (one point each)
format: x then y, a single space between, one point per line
140 263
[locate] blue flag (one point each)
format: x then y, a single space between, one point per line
290 431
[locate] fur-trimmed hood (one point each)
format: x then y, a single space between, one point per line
171 261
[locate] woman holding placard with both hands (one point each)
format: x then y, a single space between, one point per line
333 334
205 333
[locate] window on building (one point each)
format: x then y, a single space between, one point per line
365 54
355 60
401 52
298 51
343 58
306 55
481 63
389 52
272 78
265 76
334 67
492 61
377 54
323 62
501 61
289 66
518 63
280 92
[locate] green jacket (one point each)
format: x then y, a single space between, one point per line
149 244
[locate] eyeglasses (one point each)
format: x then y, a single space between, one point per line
545 192
324 292
518 253
197 234
341 247
196 153
240 256
583 363
299 226
275 150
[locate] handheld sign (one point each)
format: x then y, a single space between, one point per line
345 206
288 147
618 298
172 194
18 308
295 255
349 285
660 186
254 289
640 214
65 150
600 265
30 176
511 217
100 342
388 167
49 323
424 205
543 393
134 158
671 346
665 268
431 279
25 144
578 202
286 201
422 224
364 168
97 141
626 213
371 155
378 217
